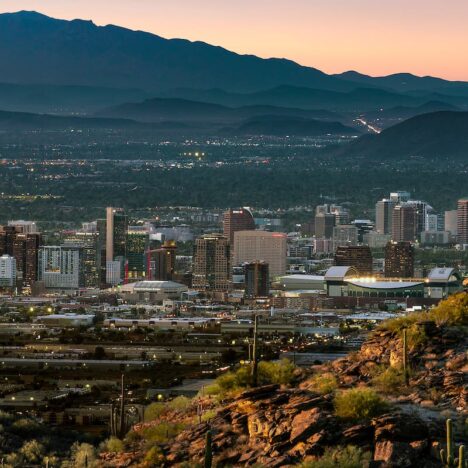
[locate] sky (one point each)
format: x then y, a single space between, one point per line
376 37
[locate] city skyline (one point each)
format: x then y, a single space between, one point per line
424 38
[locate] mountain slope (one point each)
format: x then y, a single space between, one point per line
37 49
160 109
25 121
291 126
438 134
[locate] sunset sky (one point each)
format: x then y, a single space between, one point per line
425 37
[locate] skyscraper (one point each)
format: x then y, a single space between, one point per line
450 222
257 279
116 241
7 271
359 257
399 260
237 220
211 264
162 262
137 245
383 216
61 267
270 247
462 221
345 234
404 223
324 224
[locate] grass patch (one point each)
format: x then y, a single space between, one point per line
359 404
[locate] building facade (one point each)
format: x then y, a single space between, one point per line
399 260
358 257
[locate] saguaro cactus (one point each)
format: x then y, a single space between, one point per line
118 422
254 354
405 357
447 456
208 450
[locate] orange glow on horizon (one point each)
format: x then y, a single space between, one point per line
424 37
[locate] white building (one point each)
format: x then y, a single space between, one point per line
7 271
28 227
60 267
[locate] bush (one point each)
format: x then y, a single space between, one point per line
82 456
268 373
207 415
154 411
359 404
180 403
162 432
340 457
323 383
389 380
112 445
33 451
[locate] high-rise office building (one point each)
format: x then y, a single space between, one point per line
383 216
7 271
359 257
137 246
399 260
345 235
405 223
257 279
324 224
237 220
462 221
450 222
211 263
61 267
116 240
161 262
91 254
270 247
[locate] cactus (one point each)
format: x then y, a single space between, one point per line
405 358
208 450
118 420
254 354
447 456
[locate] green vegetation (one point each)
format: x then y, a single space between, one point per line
113 445
268 373
161 432
451 312
388 379
359 404
180 403
323 383
340 457
208 450
447 455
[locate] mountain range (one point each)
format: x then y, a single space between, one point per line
37 49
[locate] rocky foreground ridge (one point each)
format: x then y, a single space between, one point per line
273 425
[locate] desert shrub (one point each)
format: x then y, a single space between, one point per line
82 456
5 417
389 379
207 415
397 324
281 372
25 427
162 432
154 456
33 451
451 311
359 404
181 403
323 383
340 457
154 411
112 445
416 336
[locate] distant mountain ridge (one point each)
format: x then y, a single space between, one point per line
37 49
177 109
